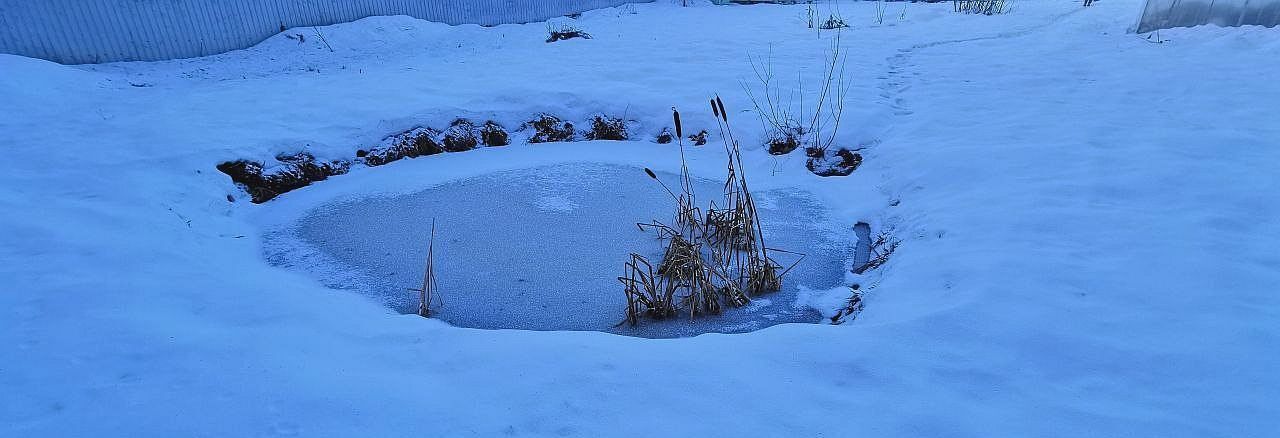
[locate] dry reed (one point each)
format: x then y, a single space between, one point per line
710 260
426 293
882 247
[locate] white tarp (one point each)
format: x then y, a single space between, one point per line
1164 14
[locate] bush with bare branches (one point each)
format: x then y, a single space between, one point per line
790 124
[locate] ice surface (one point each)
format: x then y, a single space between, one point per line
541 249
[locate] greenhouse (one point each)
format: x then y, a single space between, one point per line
1164 14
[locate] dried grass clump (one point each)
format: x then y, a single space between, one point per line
833 22
784 140
682 260
853 306
548 128
265 181
493 134
665 136
763 277
841 163
699 138
607 128
730 226
882 247
711 260
290 172
647 294
985 7
409 144
565 32
462 135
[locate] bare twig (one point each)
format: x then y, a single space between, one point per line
322 39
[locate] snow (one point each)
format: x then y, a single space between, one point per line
506 260
1089 222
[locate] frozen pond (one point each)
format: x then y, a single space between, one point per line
541 249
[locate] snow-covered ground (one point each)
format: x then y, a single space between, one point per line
1090 224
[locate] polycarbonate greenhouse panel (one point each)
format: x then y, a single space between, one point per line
1164 14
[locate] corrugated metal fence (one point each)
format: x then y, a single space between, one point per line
91 31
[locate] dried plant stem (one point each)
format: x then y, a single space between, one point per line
646 292
426 294
322 39
881 249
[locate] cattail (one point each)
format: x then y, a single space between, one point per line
723 115
676 115
715 110
664 185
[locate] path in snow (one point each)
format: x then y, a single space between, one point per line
897 79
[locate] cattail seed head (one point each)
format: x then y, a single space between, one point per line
715 110
650 172
723 115
676 115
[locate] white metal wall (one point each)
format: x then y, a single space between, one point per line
91 31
